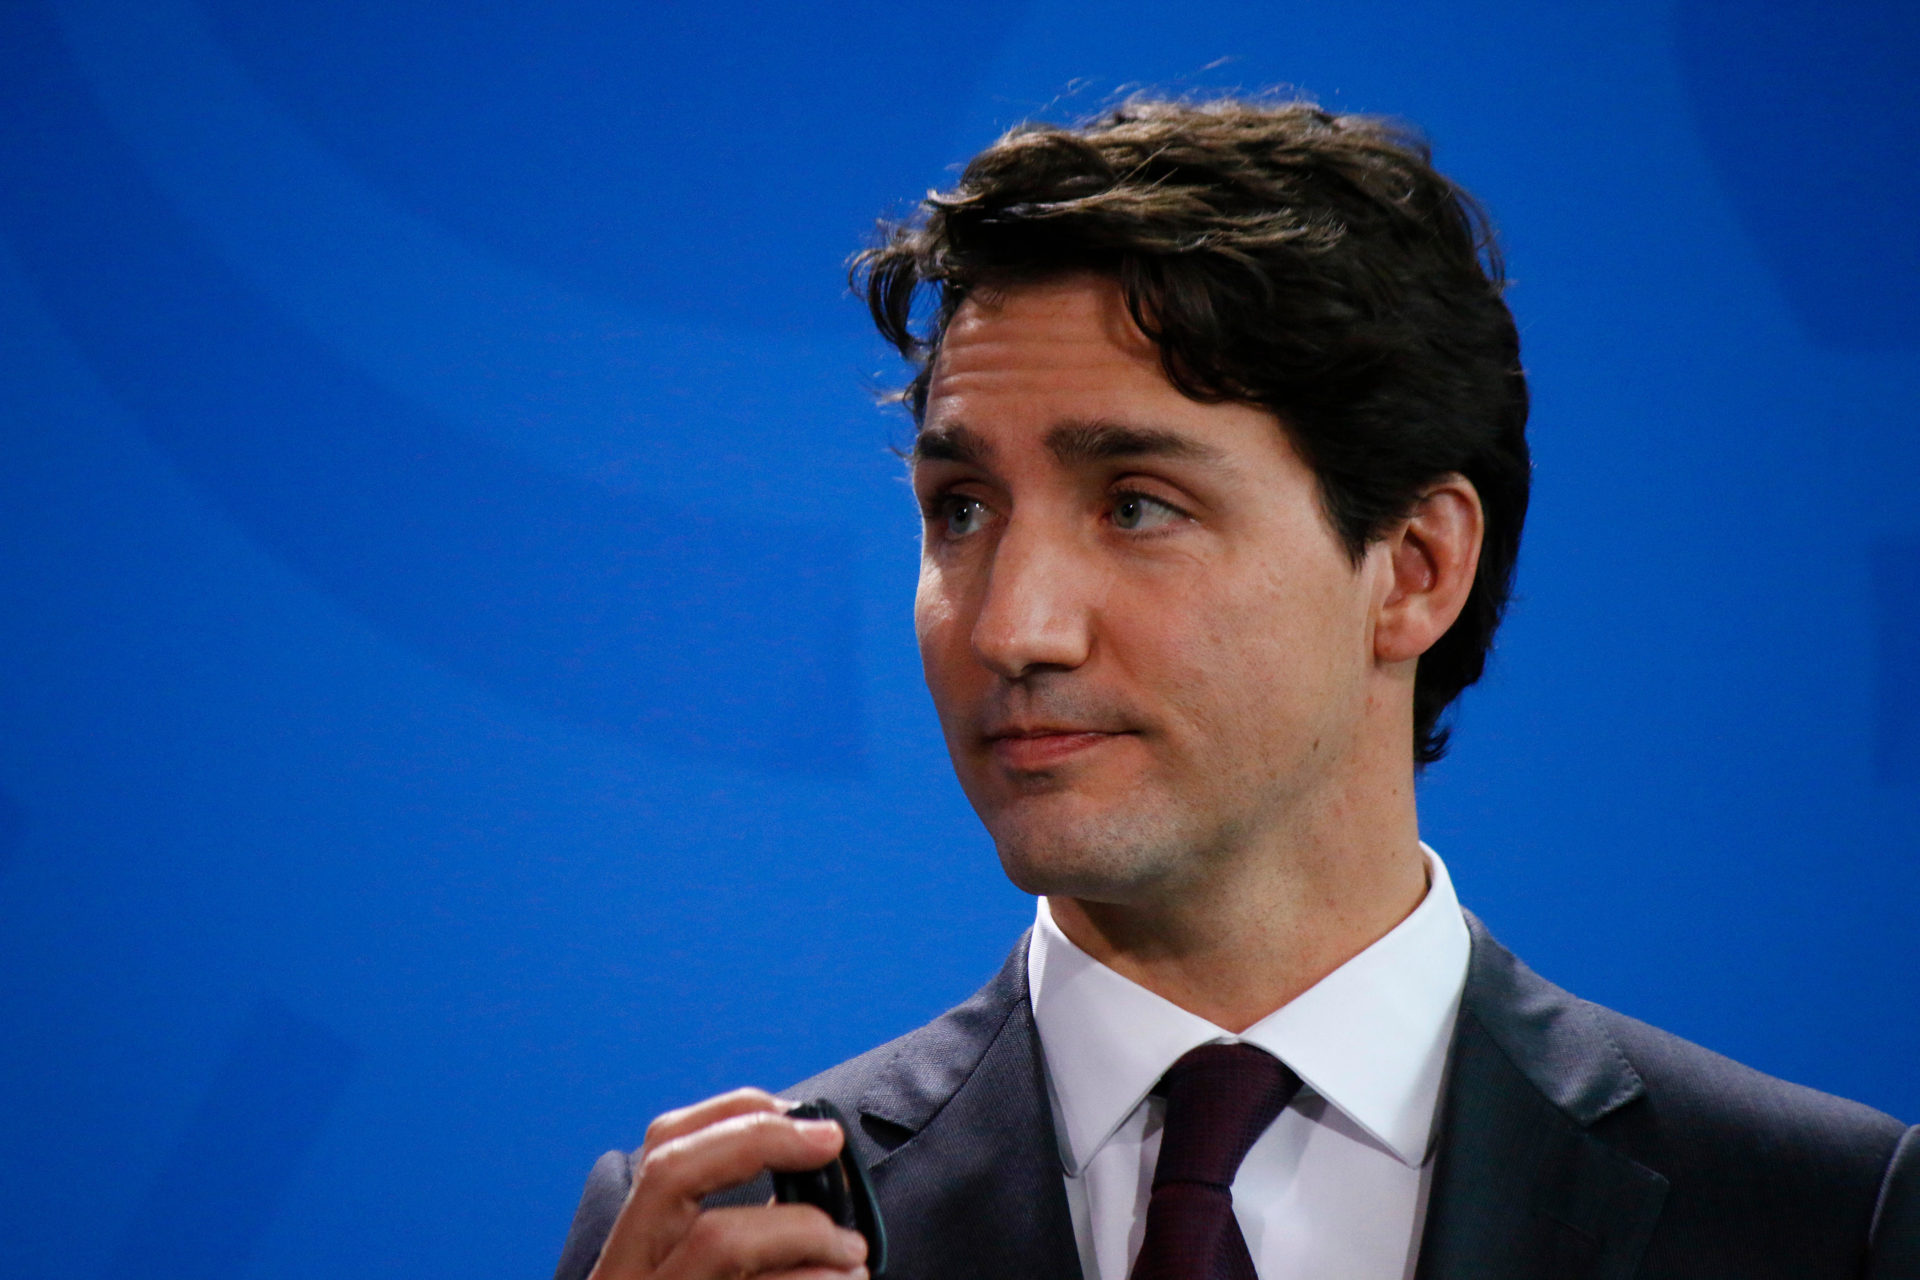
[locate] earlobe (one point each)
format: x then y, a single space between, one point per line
1431 558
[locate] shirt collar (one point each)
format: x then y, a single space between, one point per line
1371 1037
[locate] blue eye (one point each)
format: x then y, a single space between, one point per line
1136 511
963 516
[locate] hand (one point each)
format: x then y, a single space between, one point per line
663 1233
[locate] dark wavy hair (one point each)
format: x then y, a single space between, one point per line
1312 264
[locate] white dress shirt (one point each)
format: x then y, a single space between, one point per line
1336 1188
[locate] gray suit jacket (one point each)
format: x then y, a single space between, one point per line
1575 1144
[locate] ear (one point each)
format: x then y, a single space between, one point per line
1431 557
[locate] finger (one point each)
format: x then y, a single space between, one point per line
730 1152
671 1180
684 1120
781 1237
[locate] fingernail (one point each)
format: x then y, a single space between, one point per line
816 1130
853 1246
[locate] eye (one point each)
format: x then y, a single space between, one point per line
1136 512
960 515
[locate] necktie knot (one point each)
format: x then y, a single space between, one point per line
1220 1099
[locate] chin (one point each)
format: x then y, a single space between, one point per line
1109 858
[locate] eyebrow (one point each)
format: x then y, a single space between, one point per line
1070 442
1101 441
950 444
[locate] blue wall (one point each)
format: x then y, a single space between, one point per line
457 696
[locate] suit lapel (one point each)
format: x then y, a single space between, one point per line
975 1187
1522 1190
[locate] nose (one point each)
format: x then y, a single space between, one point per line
1039 607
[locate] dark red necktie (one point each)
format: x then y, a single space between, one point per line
1220 1099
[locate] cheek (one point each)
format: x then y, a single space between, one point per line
1269 658
935 616
945 648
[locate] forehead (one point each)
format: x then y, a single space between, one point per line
1060 366
1038 344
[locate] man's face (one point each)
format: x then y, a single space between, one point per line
1148 649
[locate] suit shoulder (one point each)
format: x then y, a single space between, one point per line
1713 1095
600 1204
1805 1170
1755 1176
845 1083
1807 1175
1802 1171
1599 1065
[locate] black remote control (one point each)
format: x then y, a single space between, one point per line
840 1187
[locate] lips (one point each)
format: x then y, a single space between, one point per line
1027 750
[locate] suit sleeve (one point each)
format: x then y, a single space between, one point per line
593 1221
1895 1238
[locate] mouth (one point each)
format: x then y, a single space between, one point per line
1034 749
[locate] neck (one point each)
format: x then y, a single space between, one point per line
1266 924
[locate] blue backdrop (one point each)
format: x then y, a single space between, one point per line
457 694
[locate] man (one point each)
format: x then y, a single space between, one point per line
1221 457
